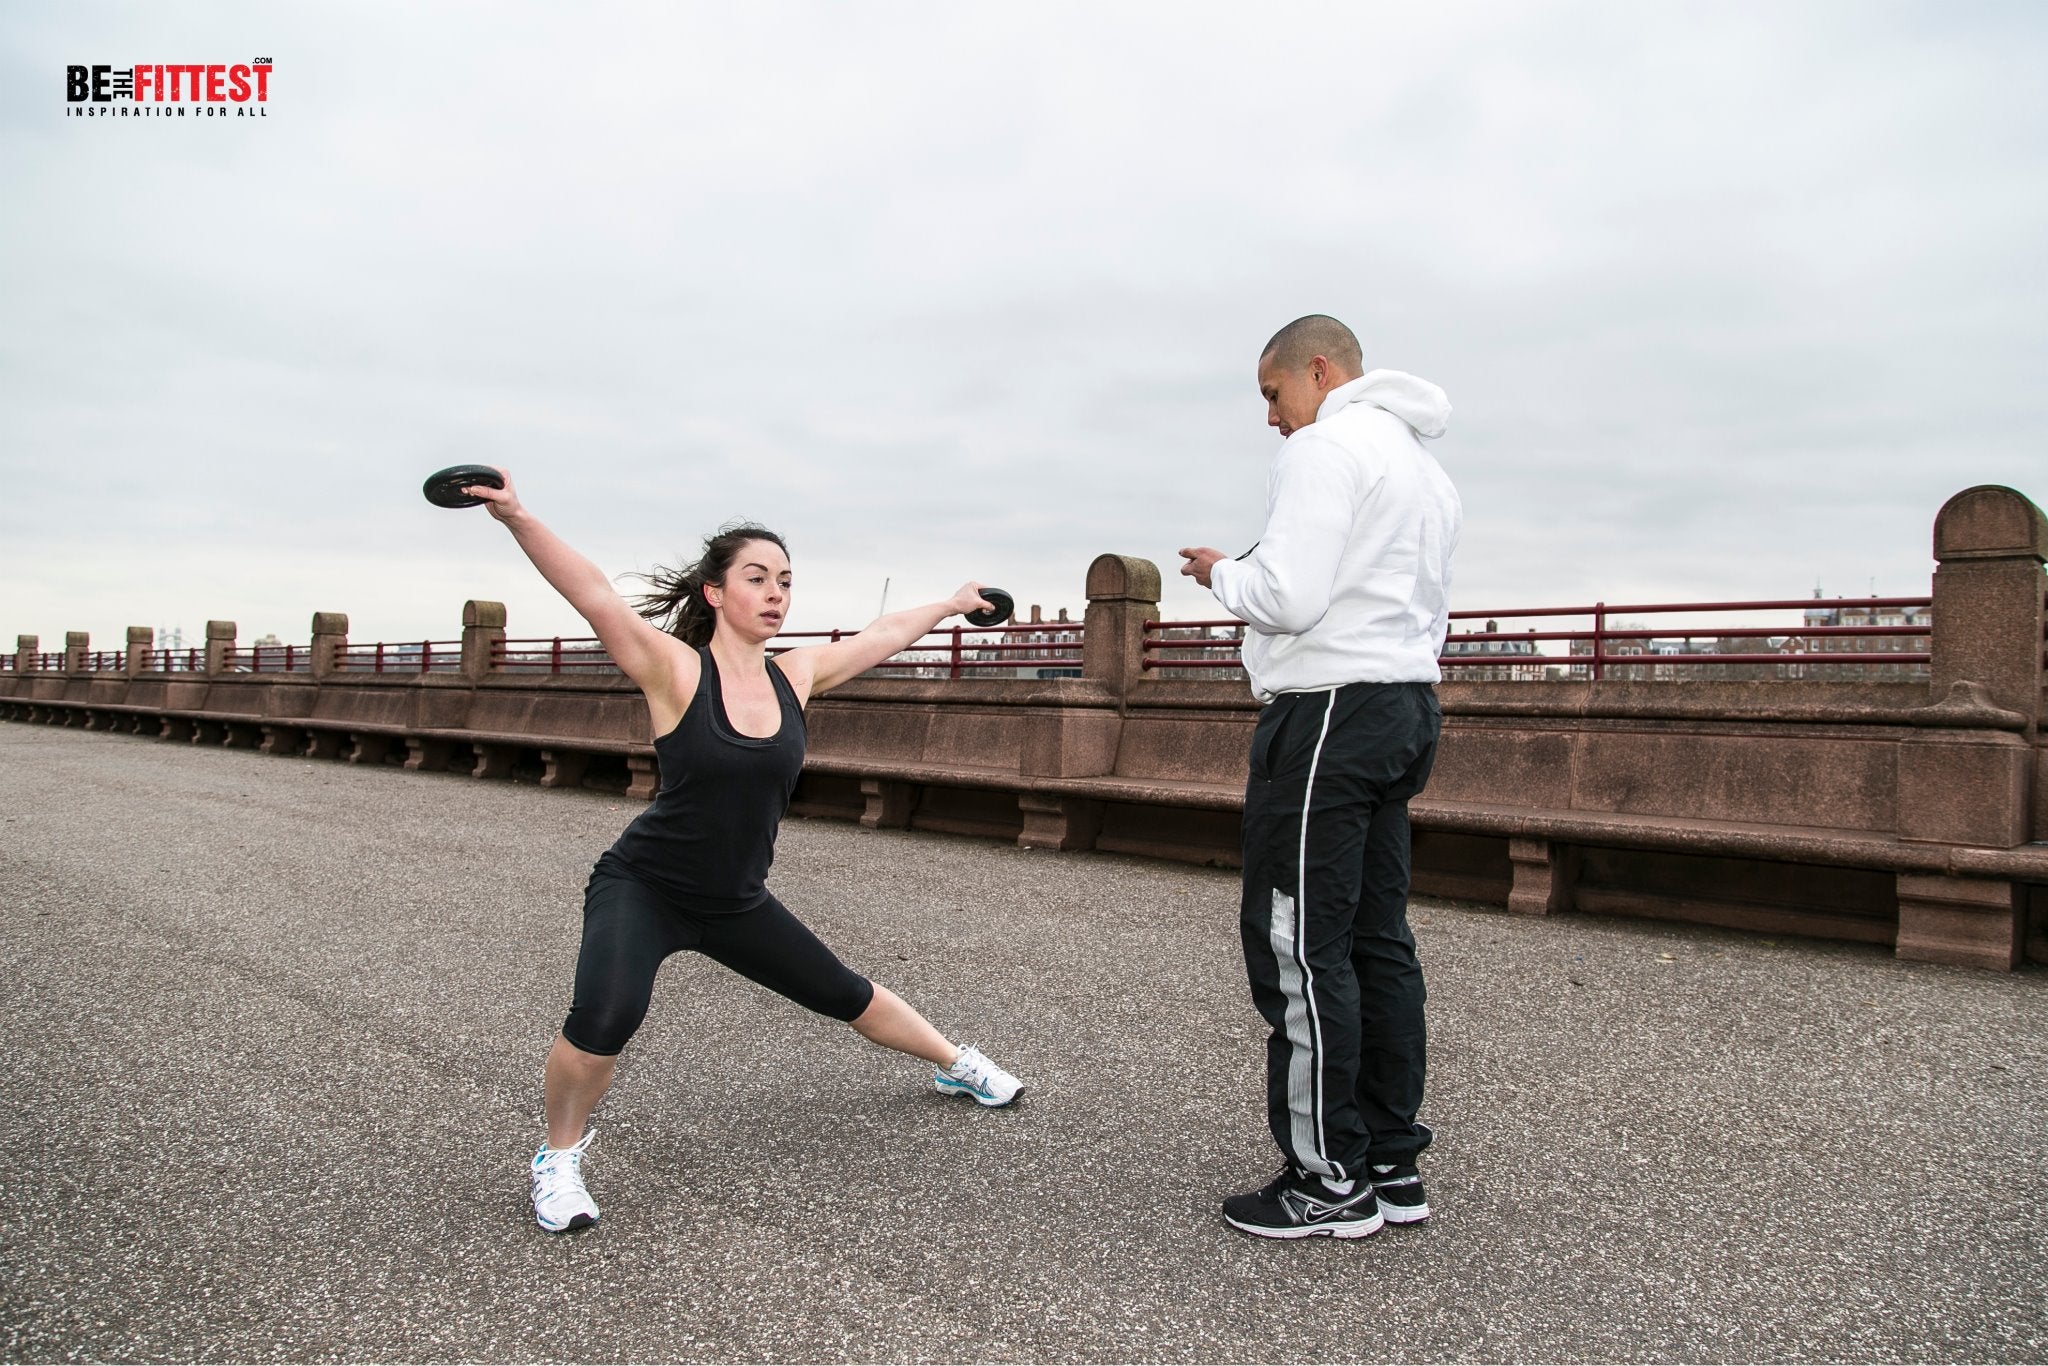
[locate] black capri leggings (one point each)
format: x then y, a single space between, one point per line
629 928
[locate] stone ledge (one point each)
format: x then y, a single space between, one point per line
1673 834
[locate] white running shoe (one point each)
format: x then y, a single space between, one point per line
560 1202
972 1074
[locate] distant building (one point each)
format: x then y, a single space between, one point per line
1882 671
1492 661
1162 656
1634 673
1796 641
1060 639
1055 640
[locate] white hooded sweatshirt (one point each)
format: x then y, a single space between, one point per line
1351 581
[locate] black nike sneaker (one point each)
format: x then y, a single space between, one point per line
1400 1194
1297 1205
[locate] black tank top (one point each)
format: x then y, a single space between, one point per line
709 835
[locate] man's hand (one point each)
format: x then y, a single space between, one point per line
1200 560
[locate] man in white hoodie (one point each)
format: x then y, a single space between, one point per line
1346 595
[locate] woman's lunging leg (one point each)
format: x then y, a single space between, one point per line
890 1021
770 946
573 1082
627 932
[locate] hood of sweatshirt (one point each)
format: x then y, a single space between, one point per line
1416 402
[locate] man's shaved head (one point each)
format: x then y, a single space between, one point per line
1319 334
1293 381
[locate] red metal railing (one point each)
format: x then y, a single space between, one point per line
1592 652
960 649
7 664
829 637
401 657
551 654
269 659
954 651
1152 651
104 661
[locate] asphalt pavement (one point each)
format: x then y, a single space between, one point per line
275 1029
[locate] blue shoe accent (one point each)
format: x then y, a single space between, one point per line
946 1083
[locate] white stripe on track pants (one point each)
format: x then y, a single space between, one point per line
1325 920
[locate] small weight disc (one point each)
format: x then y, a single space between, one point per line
444 487
1004 605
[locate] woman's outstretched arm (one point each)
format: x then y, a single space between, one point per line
652 658
830 665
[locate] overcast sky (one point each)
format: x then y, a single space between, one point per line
1727 298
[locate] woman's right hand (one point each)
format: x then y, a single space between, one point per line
968 599
504 502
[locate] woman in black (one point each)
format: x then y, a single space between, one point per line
688 872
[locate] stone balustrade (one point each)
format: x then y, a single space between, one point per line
1907 814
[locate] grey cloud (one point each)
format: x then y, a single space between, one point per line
1727 299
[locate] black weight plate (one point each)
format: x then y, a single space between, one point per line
444 487
1004 605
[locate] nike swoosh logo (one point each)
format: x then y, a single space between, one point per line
1314 1211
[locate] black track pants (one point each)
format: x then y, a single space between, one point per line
1325 920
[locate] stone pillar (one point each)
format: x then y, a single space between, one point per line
26 648
140 639
1967 787
646 776
563 767
483 627
76 644
282 738
1058 822
1970 783
1071 743
1990 543
330 638
888 804
220 639
368 747
1123 594
427 754
1543 876
1969 921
